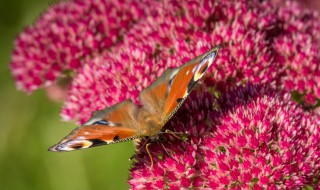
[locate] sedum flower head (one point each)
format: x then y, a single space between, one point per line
66 36
258 139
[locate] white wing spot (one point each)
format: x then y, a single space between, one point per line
92 121
69 145
197 76
111 124
185 94
108 141
86 144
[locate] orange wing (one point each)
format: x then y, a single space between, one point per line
111 125
153 98
167 93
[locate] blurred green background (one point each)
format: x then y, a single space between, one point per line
31 123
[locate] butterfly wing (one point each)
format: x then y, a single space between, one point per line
153 98
167 93
111 125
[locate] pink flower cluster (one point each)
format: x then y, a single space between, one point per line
257 139
67 35
252 137
263 141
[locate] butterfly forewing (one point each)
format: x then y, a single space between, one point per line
168 92
154 97
111 125
186 79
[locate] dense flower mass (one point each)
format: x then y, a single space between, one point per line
138 40
258 139
67 36
257 51
262 131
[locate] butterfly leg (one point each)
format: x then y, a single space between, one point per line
148 151
169 154
178 135
164 148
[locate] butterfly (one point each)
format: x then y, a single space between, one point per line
127 121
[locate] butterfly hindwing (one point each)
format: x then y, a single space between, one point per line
111 125
123 112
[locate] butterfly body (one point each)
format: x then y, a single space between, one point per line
150 124
126 121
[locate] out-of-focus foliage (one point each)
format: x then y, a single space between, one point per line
30 124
